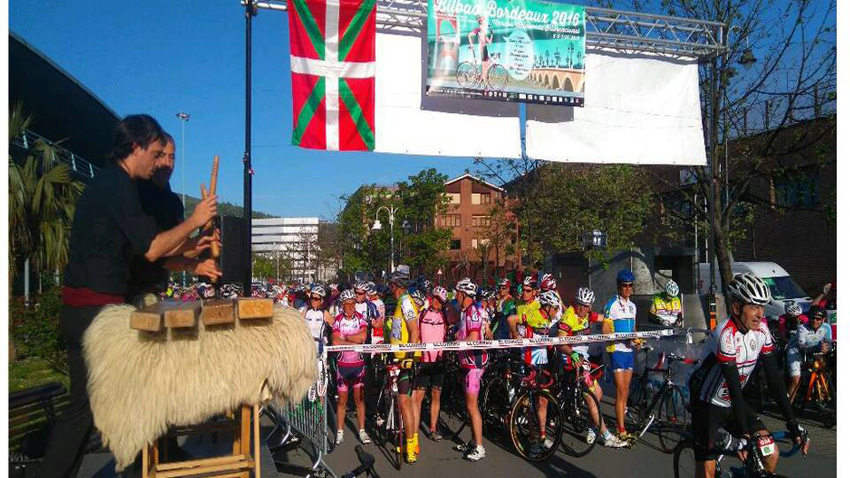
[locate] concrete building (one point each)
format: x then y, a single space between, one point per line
294 239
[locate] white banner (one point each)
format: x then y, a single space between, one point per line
502 344
639 109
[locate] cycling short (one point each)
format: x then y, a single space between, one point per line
793 359
472 380
485 55
349 377
622 361
430 374
706 419
405 382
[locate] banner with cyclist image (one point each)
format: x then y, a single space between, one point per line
509 50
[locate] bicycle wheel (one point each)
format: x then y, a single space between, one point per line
467 75
524 426
498 77
399 436
636 404
577 420
495 405
672 419
452 407
684 462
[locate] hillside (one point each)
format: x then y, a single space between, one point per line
224 209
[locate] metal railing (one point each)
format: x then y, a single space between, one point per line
606 28
80 167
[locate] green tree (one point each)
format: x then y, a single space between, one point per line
423 199
42 200
264 266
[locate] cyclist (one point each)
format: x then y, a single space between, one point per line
505 307
377 324
470 328
786 331
484 36
666 308
432 369
403 328
349 328
619 316
547 282
731 352
811 337
576 321
366 308
318 319
487 310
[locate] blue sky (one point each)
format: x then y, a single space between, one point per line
160 57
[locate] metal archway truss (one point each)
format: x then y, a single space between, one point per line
606 28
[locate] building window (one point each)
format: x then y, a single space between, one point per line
798 188
454 198
455 245
480 221
485 198
450 220
476 199
475 243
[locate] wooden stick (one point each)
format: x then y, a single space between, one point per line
207 228
215 250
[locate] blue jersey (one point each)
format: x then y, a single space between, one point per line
621 313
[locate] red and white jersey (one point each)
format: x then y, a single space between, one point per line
727 343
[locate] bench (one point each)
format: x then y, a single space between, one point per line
32 413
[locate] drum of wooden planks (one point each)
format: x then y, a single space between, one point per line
181 315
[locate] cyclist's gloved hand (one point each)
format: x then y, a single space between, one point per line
741 447
576 358
799 435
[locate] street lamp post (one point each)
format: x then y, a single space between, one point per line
184 118
377 227
595 239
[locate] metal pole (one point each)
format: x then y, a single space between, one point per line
184 118
246 158
392 240
712 288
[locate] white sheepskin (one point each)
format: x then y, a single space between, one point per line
141 383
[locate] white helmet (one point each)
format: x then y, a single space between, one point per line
585 296
440 293
346 295
370 288
749 289
467 287
319 290
361 286
792 309
549 298
671 288
548 282
529 282
418 297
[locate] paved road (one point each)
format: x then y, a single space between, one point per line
438 460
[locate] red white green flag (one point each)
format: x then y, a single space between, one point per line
332 57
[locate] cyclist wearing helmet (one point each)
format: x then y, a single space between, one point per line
349 328
403 328
548 283
366 308
666 308
432 369
619 317
484 36
530 322
470 328
378 325
318 319
576 321
788 323
505 307
813 336
731 353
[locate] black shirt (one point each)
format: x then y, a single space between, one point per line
109 229
166 209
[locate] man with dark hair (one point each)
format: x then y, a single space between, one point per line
109 229
166 208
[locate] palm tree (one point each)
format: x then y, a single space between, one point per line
42 199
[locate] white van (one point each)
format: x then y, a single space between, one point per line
782 286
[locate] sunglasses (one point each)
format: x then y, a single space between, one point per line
360 293
503 287
315 298
627 286
528 290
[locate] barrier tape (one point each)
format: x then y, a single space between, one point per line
501 344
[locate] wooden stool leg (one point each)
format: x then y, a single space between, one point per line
245 435
146 461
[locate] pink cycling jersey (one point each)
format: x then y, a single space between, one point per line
346 327
432 329
471 320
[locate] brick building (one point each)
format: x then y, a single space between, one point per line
475 240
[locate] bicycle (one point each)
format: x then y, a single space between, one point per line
524 420
671 420
499 390
389 424
469 75
819 391
684 462
573 394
